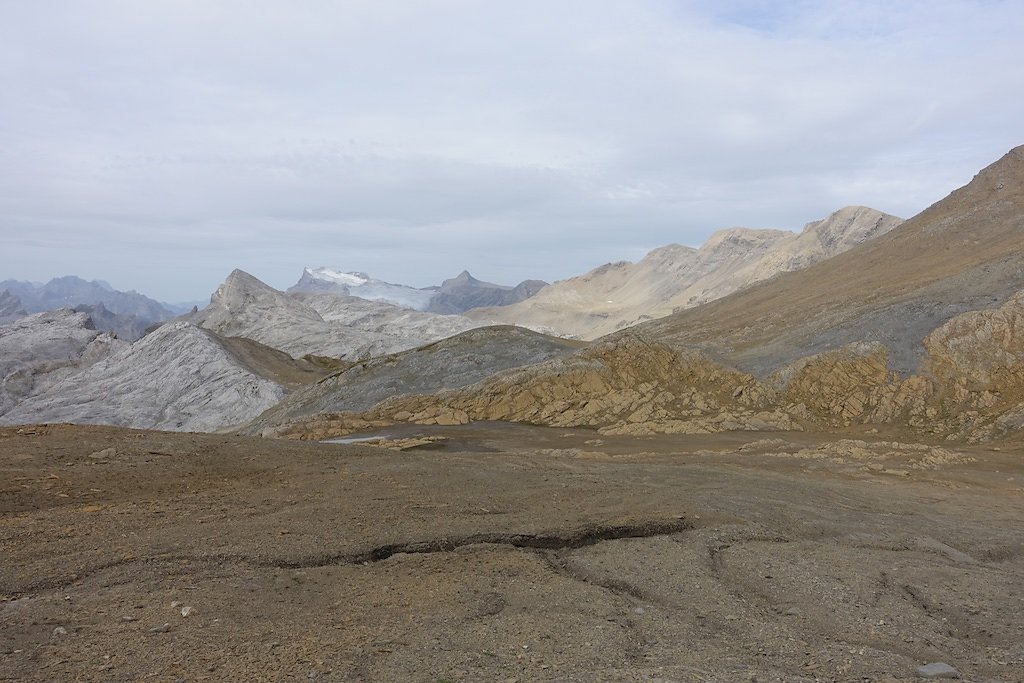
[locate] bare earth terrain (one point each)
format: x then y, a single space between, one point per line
508 553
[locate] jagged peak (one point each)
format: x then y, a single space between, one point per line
462 278
239 283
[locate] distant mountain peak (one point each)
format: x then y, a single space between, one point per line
673 277
323 280
69 291
331 275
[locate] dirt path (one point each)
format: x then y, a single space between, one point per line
506 553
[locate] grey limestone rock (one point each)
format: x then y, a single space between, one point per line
937 670
179 377
42 349
321 324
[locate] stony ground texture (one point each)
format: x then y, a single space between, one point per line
504 553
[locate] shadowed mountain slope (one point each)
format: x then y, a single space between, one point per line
450 363
464 292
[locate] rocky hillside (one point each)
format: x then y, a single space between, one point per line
126 327
964 253
42 349
921 328
971 388
319 324
453 362
179 377
675 277
630 385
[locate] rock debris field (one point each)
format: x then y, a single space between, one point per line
493 552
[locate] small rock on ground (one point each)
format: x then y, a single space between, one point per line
937 670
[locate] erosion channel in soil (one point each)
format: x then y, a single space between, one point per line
507 553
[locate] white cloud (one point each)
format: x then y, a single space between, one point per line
530 139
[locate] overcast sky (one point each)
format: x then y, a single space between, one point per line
160 144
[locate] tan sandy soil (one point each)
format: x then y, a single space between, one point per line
505 553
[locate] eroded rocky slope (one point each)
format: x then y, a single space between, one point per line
964 253
971 387
41 349
629 385
319 324
180 377
454 362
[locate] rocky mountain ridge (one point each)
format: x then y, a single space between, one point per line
319 324
454 296
674 277
70 291
456 361
920 328
964 253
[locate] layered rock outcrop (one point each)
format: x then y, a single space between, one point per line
179 378
454 362
972 389
39 350
628 386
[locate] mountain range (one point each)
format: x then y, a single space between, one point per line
319 324
920 327
859 318
455 295
674 277
128 314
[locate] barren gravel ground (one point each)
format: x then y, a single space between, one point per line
506 554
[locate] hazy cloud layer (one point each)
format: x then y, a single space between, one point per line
160 144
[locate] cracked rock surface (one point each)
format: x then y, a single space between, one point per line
505 552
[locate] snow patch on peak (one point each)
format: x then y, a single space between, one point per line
331 275
330 281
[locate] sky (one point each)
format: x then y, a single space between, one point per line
158 145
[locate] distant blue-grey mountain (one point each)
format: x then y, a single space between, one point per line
126 313
70 291
10 307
